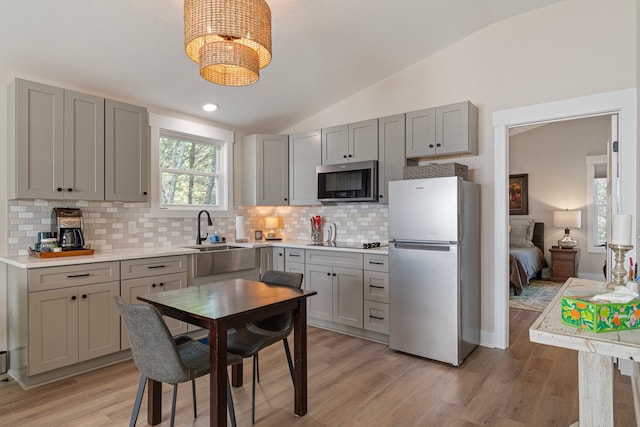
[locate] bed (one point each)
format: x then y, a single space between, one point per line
526 253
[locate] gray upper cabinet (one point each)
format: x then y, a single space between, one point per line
56 143
354 142
442 131
67 145
126 152
304 155
391 146
265 170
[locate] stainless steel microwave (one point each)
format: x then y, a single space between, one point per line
348 182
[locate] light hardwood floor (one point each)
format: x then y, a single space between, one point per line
352 382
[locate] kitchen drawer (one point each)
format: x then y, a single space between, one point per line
145 267
293 255
376 317
334 258
376 262
376 286
41 279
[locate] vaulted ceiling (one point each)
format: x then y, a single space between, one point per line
323 51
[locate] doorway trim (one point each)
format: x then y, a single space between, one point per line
621 102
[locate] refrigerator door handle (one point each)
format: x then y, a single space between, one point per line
422 247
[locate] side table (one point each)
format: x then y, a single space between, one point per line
564 264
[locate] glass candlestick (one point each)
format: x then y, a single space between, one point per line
619 273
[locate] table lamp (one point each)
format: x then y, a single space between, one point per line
567 219
271 223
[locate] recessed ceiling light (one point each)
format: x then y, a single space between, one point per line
209 107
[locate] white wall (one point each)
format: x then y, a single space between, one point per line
567 50
554 158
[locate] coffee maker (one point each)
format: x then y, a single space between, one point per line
68 227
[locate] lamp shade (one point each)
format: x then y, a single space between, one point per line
230 39
567 219
271 222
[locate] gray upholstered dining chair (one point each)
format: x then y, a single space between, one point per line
162 358
249 339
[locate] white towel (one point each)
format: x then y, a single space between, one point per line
621 294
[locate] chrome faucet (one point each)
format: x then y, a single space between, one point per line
199 239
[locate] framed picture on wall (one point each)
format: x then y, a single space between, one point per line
258 234
518 194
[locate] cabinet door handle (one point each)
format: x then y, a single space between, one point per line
84 296
430 145
376 286
376 317
161 284
280 254
328 274
438 145
58 189
334 274
156 266
380 196
350 155
73 298
285 199
345 156
69 190
72 276
153 285
144 193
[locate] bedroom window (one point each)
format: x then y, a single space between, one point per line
597 203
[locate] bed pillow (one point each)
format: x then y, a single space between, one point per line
521 235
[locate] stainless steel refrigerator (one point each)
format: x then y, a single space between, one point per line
434 267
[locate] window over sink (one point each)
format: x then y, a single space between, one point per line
191 167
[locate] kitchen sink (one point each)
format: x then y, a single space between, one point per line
214 248
216 259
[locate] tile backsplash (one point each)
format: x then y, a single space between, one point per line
112 225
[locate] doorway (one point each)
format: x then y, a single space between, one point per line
621 103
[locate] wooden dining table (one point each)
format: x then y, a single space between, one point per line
226 304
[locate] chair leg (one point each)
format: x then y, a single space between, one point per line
193 389
173 404
288 353
138 402
253 389
232 411
257 362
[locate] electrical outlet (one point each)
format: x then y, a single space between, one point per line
133 229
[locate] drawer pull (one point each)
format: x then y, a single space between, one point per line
376 262
376 286
72 276
371 316
156 266
294 255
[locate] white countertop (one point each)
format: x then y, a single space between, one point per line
26 261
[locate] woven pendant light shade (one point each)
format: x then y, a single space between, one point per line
230 39
229 64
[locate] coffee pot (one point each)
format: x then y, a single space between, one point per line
68 227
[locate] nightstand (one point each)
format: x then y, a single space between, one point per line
564 264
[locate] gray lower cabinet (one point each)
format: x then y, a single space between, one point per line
60 316
305 154
376 293
126 152
294 262
149 275
337 277
265 170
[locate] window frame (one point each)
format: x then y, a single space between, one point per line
223 138
591 162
